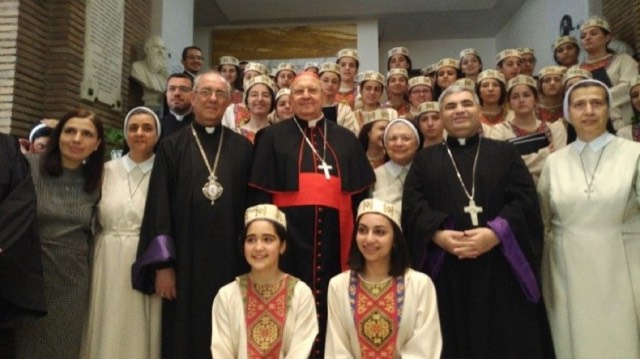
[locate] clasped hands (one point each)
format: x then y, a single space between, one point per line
468 244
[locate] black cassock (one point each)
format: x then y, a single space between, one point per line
22 294
183 230
490 306
286 173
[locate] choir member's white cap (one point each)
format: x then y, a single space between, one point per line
507 53
563 40
565 104
427 70
575 71
398 51
372 76
283 92
353 53
285 66
551 70
229 60
466 82
309 65
596 21
469 51
380 114
635 82
138 110
492 74
448 62
374 205
526 50
329 67
523 80
419 81
426 107
260 79
267 212
257 67
401 72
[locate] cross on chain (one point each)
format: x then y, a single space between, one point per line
325 167
473 211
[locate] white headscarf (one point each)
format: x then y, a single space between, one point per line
147 110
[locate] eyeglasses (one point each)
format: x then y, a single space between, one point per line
205 94
181 89
299 91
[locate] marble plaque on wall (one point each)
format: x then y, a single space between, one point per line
283 42
104 38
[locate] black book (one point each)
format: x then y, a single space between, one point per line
530 143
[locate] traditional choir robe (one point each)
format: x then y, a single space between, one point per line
419 331
182 229
22 294
489 306
315 250
229 333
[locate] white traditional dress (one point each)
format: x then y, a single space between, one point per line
416 335
123 322
249 321
591 262
556 134
390 182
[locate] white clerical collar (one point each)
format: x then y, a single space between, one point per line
179 117
462 141
313 123
145 166
395 168
210 130
596 144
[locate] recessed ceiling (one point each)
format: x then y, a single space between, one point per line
398 20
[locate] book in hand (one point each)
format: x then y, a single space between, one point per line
530 143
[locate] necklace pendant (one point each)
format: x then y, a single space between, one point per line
212 189
473 211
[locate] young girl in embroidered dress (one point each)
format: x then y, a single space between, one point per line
265 313
381 308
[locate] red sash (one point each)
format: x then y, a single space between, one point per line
377 315
316 190
265 316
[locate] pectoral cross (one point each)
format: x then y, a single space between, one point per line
588 191
473 211
325 167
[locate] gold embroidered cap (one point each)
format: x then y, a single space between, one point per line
635 82
401 72
596 21
526 50
374 205
448 62
398 51
229 60
418 81
431 106
260 79
309 65
286 66
283 92
256 66
507 53
429 69
522 80
380 114
469 51
372 76
353 53
466 83
575 71
329 67
491 74
563 40
265 211
551 70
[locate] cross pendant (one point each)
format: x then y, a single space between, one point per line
588 191
473 211
325 167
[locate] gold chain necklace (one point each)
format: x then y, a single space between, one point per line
212 189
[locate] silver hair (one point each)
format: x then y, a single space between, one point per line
455 89
196 81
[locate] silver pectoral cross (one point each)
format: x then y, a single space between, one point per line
473 211
325 167
588 191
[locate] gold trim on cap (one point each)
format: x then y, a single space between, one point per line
402 72
256 66
448 62
469 51
596 21
374 205
522 80
398 51
372 76
418 81
229 60
430 106
507 53
380 114
265 211
563 40
353 53
491 74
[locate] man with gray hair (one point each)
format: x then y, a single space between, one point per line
193 218
471 215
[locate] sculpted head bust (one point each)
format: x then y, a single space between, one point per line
151 72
